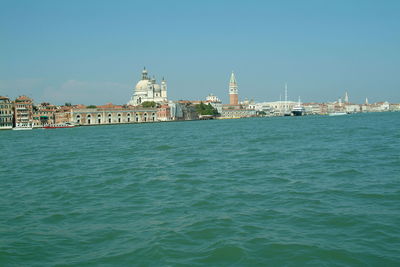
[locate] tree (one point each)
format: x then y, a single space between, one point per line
149 104
203 109
91 106
67 104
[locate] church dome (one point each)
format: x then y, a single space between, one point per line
142 86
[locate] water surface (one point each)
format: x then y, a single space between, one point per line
265 191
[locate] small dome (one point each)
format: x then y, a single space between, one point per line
142 85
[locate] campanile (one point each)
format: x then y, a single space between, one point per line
233 91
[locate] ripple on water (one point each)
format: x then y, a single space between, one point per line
224 192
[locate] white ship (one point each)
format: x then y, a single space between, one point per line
23 126
298 110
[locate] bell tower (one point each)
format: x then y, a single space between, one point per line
233 91
164 89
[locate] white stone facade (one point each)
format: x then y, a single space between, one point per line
147 90
95 116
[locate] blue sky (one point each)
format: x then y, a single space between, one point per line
92 52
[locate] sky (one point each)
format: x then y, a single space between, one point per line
93 51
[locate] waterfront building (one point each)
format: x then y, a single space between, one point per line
147 90
394 107
278 108
352 108
112 114
233 91
63 115
237 111
336 107
379 107
313 108
44 114
6 113
23 110
164 113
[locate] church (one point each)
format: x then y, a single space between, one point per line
148 90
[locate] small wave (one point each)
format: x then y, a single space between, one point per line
164 147
346 173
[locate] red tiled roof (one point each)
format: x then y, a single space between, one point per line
23 98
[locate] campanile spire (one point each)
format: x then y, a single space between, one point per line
233 90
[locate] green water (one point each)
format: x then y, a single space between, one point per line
292 191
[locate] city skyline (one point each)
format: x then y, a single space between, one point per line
93 52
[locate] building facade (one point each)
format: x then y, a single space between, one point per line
164 113
230 111
23 111
147 90
6 113
101 116
44 114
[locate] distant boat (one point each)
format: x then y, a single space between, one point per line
61 125
20 127
337 113
298 110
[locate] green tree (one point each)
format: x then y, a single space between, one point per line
203 109
91 106
149 104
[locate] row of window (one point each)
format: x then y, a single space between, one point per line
6 106
5 124
22 106
5 119
89 121
44 112
6 111
109 115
